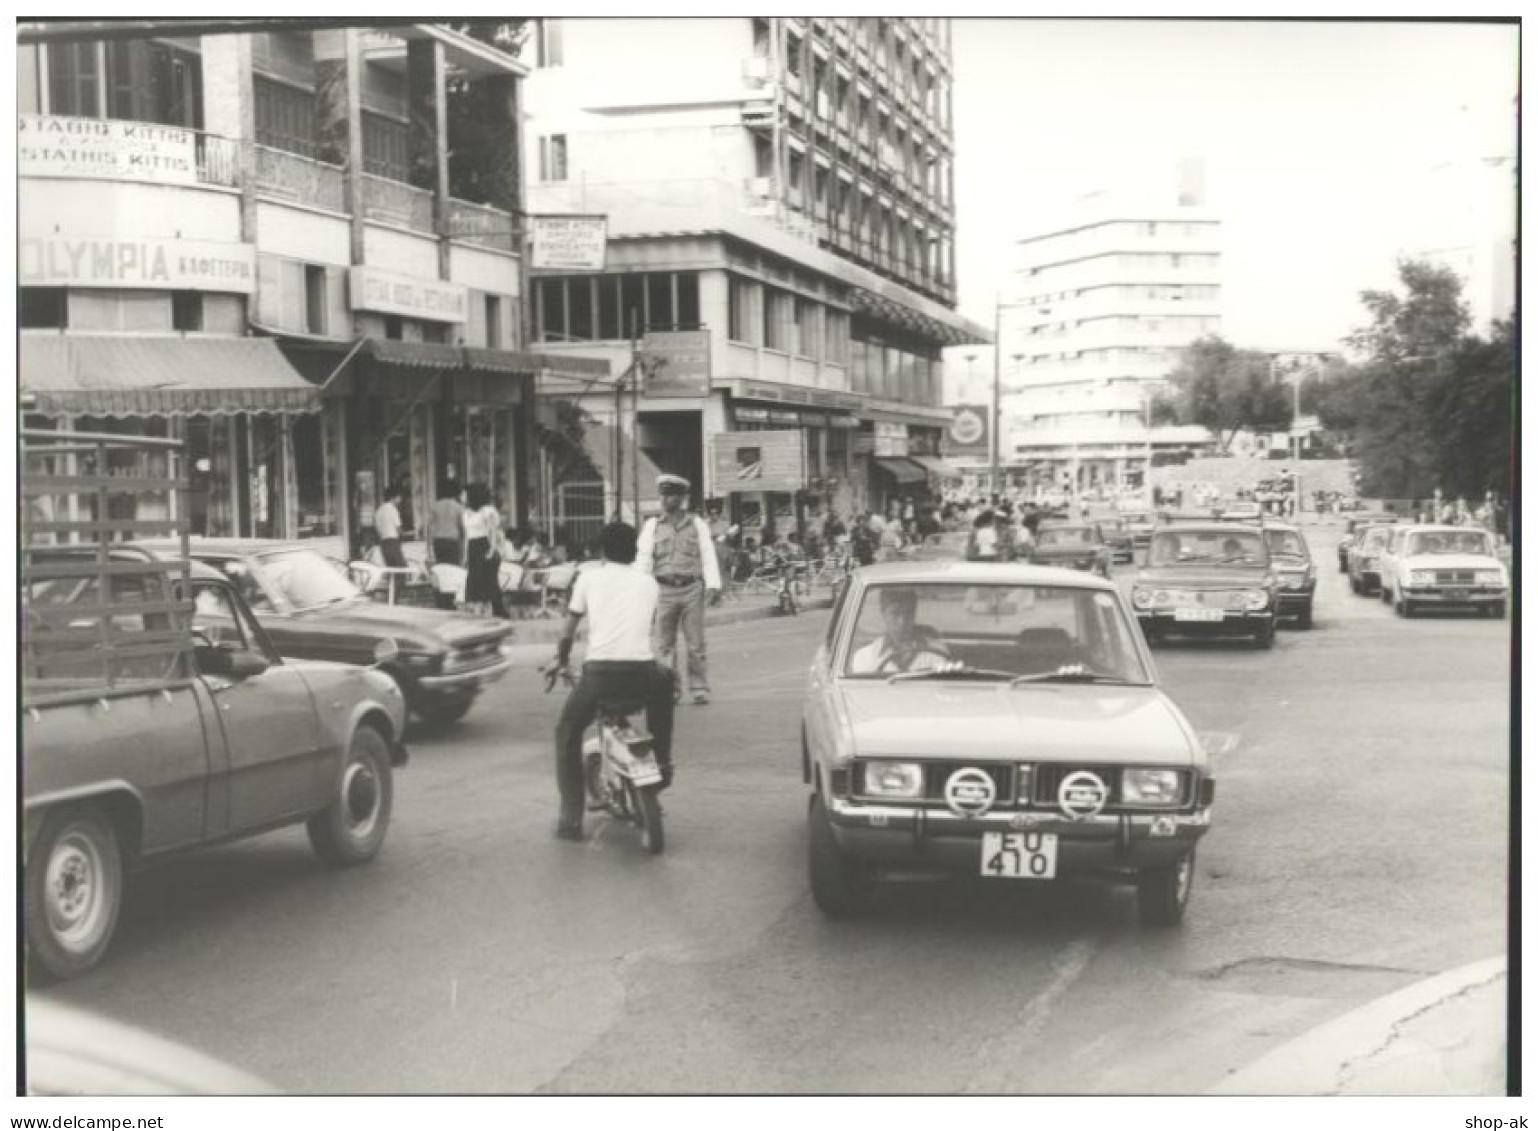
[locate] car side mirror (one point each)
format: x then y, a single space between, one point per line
243 665
213 660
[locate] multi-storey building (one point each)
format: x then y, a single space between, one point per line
781 188
1103 306
274 242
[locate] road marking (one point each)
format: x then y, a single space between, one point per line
1005 1051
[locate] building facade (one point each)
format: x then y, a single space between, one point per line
779 201
268 242
1104 304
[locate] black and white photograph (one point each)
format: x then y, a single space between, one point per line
709 556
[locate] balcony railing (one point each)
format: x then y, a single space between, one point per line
125 150
481 224
303 179
395 202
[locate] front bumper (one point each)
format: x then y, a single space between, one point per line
468 679
1233 622
1110 843
1455 595
1294 600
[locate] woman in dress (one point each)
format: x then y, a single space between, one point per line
483 558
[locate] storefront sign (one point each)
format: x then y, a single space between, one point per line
677 363
754 415
968 431
178 265
757 461
51 146
779 416
891 439
385 292
568 243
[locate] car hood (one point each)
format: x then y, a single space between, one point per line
1203 577
1036 722
378 620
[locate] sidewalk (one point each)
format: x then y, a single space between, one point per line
1444 1036
543 631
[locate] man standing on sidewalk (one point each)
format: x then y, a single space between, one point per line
678 551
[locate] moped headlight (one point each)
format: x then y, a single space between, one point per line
1150 787
893 779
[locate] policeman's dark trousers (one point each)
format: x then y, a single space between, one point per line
606 681
682 606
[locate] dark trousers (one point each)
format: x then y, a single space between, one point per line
390 551
446 551
609 680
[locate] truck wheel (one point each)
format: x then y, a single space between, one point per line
1162 893
352 828
841 885
74 890
444 713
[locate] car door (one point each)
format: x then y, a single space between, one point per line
276 764
819 711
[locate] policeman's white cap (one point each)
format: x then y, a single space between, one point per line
672 483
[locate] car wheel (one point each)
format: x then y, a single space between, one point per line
352 828
1498 610
444 712
841 884
1162 893
74 890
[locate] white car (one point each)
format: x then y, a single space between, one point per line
1443 566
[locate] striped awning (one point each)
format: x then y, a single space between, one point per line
902 470
153 375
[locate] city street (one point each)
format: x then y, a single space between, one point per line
1359 844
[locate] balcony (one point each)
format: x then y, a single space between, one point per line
481 224
52 145
288 176
395 202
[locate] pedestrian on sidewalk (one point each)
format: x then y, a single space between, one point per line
483 552
387 527
445 527
677 550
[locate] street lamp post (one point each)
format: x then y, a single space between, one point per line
993 425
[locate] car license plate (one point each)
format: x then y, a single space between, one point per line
1456 594
1020 856
1199 614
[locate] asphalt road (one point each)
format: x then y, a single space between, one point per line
1360 844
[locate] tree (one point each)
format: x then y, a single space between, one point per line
483 122
1226 389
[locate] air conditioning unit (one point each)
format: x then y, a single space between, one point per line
756 69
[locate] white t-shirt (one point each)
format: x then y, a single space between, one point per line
387 521
619 603
480 523
987 539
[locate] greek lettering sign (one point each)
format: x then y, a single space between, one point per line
568 243
385 292
757 461
677 363
52 146
968 431
182 265
891 439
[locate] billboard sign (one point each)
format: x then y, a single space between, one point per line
54 146
180 265
967 434
677 363
757 461
568 243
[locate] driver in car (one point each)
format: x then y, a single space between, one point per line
905 646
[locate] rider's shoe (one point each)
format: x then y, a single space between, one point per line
567 828
701 698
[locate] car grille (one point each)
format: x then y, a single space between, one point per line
1047 778
474 653
935 776
1455 577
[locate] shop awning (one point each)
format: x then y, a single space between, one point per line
130 375
598 443
902 470
937 466
383 367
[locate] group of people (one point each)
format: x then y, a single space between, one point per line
464 529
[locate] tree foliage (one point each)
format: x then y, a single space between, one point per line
1225 389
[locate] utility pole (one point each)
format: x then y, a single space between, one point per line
998 353
635 415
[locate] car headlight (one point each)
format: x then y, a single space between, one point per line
422 660
1256 599
1237 600
1423 577
1150 787
1142 597
894 779
1292 581
1489 577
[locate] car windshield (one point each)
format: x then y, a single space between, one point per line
1064 536
1207 547
1286 542
937 630
1450 542
1376 539
297 580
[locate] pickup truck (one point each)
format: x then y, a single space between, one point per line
157 716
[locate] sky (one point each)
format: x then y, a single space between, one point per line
1318 138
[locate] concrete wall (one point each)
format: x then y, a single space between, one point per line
405 254
71 207
301 234
483 270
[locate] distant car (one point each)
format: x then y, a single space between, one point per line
1207 579
1140 524
1444 567
1242 510
1355 523
946 546
1117 533
1362 558
1074 545
998 720
313 612
1296 576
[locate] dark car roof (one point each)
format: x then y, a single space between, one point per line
1211 526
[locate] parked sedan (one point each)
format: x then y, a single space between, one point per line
998 720
1207 579
1362 558
1074 545
1295 573
1117 533
1353 525
1444 567
311 611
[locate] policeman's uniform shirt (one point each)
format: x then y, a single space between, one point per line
619 603
669 548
